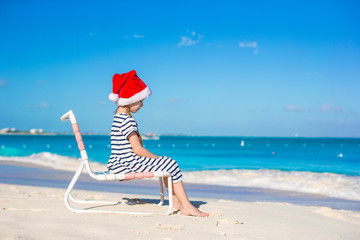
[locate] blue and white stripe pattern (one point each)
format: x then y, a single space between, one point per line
124 160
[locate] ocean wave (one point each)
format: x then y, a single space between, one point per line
54 161
328 184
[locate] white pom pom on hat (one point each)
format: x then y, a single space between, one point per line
128 88
113 97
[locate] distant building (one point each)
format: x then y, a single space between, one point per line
151 135
4 130
8 130
35 131
16 131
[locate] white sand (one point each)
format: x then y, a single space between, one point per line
39 213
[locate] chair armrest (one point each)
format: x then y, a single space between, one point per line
69 116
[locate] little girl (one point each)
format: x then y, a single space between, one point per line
127 152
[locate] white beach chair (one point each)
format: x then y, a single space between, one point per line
105 176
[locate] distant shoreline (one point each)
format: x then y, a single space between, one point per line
167 135
50 134
27 133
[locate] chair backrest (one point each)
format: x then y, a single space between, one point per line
104 175
75 126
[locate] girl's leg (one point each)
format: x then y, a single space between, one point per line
176 202
186 208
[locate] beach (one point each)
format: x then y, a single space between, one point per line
251 104
32 205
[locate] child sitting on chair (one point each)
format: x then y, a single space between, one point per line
127 151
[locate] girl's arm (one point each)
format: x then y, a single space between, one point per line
137 148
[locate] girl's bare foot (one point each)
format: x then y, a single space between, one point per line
193 211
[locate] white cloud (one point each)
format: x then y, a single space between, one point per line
294 108
138 36
186 41
254 45
190 40
134 36
325 108
328 108
42 105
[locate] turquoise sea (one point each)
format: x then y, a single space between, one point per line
328 166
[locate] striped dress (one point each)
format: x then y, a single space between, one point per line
124 160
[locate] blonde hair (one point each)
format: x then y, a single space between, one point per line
127 111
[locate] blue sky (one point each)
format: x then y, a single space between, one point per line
228 68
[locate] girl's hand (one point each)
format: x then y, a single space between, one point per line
138 148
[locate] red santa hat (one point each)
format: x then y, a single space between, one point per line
128 88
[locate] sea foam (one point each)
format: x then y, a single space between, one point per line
53 161
328 184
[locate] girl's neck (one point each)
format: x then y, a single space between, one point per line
120 110
123 109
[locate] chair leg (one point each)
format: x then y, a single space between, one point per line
68 196
161 191
88 201
71 186
170 193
